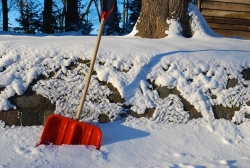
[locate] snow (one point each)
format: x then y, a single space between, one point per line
135 143
198 67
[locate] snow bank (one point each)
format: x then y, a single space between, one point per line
200 66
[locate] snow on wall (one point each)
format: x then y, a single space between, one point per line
199 67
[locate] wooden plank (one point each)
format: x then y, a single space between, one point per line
229 21
199 4
226 6
230 18
232 1
231 33
229 27
226 14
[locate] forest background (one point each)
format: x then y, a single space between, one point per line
58 16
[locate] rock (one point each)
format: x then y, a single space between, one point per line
247 116
246 74
103 118
165 91
116 96
33 109
148 113
232 83
10 117
221 112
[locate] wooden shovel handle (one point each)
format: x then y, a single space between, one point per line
84 93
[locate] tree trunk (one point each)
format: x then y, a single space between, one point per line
152 22
111 19
112 22
5 15
26 20
72 17
47 16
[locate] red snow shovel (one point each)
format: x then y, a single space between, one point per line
60 130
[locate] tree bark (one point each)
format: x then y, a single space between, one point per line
72 17
111 19
112 22
152 22
5 15
47 16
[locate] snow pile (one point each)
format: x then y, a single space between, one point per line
200 66
199 24
175 28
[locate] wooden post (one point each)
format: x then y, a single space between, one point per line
199 4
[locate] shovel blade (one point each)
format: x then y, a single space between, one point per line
60 130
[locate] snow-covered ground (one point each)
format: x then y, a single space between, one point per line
135 143
198 67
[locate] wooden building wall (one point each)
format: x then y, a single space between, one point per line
229 18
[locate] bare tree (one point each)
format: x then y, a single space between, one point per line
6 6
112 22
60 14
5 15
82 16
47 16
72 16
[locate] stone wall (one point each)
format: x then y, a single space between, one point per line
33 109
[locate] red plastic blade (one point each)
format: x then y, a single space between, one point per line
60 130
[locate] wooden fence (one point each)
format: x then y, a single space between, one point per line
229 18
